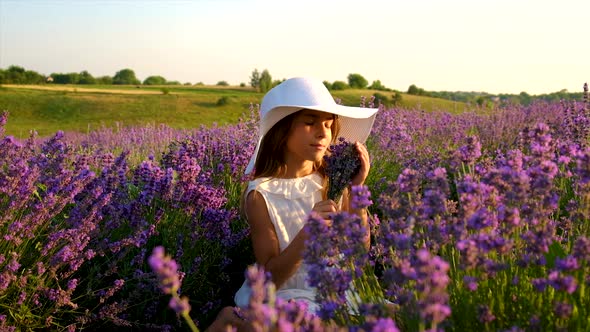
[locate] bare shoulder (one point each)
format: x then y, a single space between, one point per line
257 214
256 208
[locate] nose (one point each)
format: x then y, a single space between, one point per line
323 131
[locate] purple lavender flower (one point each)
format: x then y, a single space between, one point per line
562 309
361 197
581 249
484 314
341 165
562 282
166 269
408 181
381 324
431 281
180 305
567 264
469 153
265 312
470 283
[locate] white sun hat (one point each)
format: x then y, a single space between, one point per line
300 93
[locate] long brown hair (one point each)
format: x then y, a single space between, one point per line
270 161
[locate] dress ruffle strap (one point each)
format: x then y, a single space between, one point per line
290 188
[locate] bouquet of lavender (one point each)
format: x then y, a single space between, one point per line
341 165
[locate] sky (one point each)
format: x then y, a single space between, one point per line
499 46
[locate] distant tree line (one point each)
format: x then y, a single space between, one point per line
482 98
263 81
18 75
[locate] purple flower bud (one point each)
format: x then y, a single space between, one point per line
166 270
361 197
180 305
563 309
470 283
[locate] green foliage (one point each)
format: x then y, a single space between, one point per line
382 99
69 78
396 98
224 100
155 80
525 98
414 90
376 85
50 111
18 75
277 82
357 81
255 79
106 80
480 100
265 81
222 83
125 76
86 78
328 85
165 91
242 84
339 85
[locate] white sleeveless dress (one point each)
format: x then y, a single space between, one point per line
289 202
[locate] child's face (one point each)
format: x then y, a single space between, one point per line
310 136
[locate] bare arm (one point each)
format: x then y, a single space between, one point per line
281 265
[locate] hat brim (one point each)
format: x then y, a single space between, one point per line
355 123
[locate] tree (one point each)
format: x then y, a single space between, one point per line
69 78
524 98
277 82
106 80
85 78
414 90
265 81
328 85
15 75
396 98
154 80
222 83
255 80
357 81
376 85
381 99
125 76
339 85
33 77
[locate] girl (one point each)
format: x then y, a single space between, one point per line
299 121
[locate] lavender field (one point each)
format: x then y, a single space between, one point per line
480 221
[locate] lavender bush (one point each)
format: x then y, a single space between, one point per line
78 224
479 221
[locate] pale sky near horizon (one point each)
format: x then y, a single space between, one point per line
501 46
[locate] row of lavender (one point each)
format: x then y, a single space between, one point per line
79 222
480 221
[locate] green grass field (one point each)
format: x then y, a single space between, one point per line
83 108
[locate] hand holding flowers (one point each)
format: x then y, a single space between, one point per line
348 164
